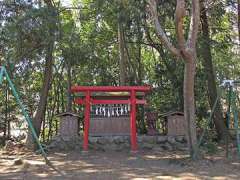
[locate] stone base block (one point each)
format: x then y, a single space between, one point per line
120 143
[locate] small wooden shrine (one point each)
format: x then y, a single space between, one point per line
68 124
175 123
110 110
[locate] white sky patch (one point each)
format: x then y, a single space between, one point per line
66 3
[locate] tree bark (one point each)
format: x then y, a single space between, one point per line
186 51
6 114
211 80
122 61
40 114
69 84
189 106
238 20
139 55
41 109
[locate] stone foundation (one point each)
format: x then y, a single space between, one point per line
119 143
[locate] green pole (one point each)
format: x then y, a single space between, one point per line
238 129
1 75
230 90
235 115
28 119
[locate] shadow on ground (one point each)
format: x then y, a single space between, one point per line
118 165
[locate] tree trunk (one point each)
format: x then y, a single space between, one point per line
211 80
43 129
69 84
41 109
122 61
186 50
139 55
189 106
6 114
40 114
238 20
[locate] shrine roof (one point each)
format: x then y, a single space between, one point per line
172 113
75 89
67 114
110 94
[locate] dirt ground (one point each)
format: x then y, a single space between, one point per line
146 164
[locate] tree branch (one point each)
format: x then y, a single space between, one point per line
195 17
159 31
49 3
179 15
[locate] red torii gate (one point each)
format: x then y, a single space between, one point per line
88 101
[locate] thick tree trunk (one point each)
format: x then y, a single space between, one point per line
211 80
40 114
41 109
189 106
186 50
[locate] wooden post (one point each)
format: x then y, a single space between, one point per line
133 122
86 121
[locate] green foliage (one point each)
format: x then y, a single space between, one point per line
86 38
